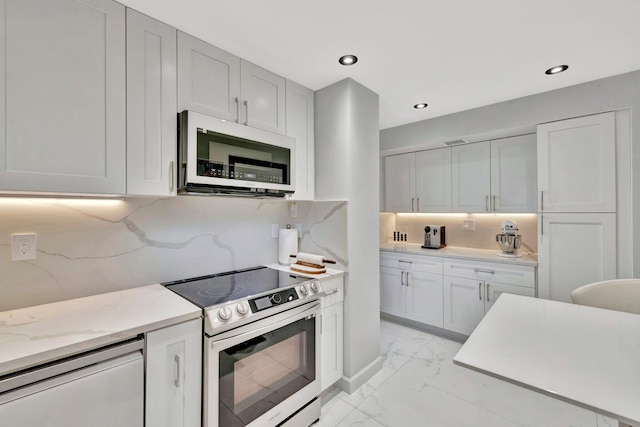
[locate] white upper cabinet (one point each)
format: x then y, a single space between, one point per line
513 174
151 106
495 176
214 82
208 79
300 125
471 177
577 165
263 98
62 96
400 184
433 180
418 182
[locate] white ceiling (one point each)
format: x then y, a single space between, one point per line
452 54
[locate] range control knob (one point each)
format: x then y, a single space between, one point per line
276 298
224 314
241 308
315 287
304 290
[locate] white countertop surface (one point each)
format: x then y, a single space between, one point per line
490 255
583 355
330 272
40 334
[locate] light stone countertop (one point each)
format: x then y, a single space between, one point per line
583 355
330 272
489 255
40 334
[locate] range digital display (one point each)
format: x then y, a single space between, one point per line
262 303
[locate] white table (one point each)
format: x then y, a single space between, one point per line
586 356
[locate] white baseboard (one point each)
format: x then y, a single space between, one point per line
351 384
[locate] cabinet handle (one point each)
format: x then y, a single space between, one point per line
246 117
406 283
171 177
176 380
480 291
237 109
541 225
402 278
481 270
541 200
331 292
412 210
488 295
418 204
494 203
406 262
486 203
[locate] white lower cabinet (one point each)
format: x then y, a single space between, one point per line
174 376
448 293
469 294
411 287
332 331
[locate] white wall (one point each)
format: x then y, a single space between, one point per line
89 247
619 93
347 152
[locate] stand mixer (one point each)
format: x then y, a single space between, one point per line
508 240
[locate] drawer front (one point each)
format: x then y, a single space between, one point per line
333 289
410 262
519 275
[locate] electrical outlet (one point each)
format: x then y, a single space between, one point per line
23 246
468 224
274 231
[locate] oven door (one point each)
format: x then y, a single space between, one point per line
263 372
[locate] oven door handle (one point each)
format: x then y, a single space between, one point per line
248 331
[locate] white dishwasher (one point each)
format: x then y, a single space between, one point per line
103 388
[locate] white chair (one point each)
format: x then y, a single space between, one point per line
619 295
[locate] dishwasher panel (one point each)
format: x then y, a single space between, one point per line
104 394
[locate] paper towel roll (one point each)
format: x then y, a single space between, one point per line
287 244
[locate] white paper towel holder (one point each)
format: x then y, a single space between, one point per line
287 245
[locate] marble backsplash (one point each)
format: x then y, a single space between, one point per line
87 247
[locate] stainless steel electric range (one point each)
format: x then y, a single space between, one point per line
261 347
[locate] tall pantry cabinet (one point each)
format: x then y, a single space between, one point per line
577 204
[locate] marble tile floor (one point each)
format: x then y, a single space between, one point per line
419 386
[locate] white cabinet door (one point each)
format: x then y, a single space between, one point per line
463 304
493 290
208 79
331 364
151 106
300 125
263 98
392 291
471 177
513 174
62 96
573 250
423 301
433 180
399 174
173 376
576 165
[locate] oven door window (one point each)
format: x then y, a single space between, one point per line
259 373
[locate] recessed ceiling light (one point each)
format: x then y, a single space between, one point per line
348 60
420 106
557 69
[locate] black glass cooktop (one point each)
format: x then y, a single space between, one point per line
208 291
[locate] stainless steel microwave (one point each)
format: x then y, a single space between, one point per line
217 156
